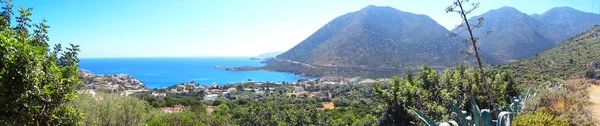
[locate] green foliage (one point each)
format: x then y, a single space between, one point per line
222 111
186 118
541 117
112 109
36 81
431 91
217 102
185 99
367 120
279 109
261 115
195 116
479 117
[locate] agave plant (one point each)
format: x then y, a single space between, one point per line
479 117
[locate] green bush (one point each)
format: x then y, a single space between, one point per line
431 91
36 81
319 105
541 117
222 111
259 114
367 120
185 118
112 109
217 102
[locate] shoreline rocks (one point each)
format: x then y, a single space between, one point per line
242 68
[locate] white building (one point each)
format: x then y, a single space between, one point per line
159 95
211 97
298 89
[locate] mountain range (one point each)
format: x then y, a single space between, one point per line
516 35
571 58
376 39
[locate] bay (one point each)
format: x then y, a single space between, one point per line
164 72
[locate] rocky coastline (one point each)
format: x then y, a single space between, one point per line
112 82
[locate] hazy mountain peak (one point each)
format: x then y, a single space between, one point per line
503 12
517 35
506 9
562 9
378 8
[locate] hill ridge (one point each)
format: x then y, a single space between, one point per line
569 58
517 35
376 38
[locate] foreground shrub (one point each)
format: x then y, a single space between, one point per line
431 91
541 117
569 101
36 81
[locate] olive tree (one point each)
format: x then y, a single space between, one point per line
36 81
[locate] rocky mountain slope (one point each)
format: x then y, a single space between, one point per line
575 56
383 41
378 38
516 35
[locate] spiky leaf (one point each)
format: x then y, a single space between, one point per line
486 117
504 119
476 113
461 118
423 118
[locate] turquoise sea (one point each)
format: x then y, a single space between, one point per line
163 72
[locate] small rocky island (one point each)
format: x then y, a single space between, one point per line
256 58
219 67
242 68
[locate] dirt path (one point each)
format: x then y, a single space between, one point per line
595 98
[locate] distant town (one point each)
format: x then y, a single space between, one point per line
126 85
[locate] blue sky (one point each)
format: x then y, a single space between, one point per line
183 28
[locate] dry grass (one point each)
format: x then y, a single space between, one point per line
594 91
573 104
327 105
559 105
210 109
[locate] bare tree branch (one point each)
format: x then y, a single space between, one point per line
473 47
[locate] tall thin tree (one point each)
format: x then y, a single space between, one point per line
459 8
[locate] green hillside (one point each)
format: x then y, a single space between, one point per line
564 60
